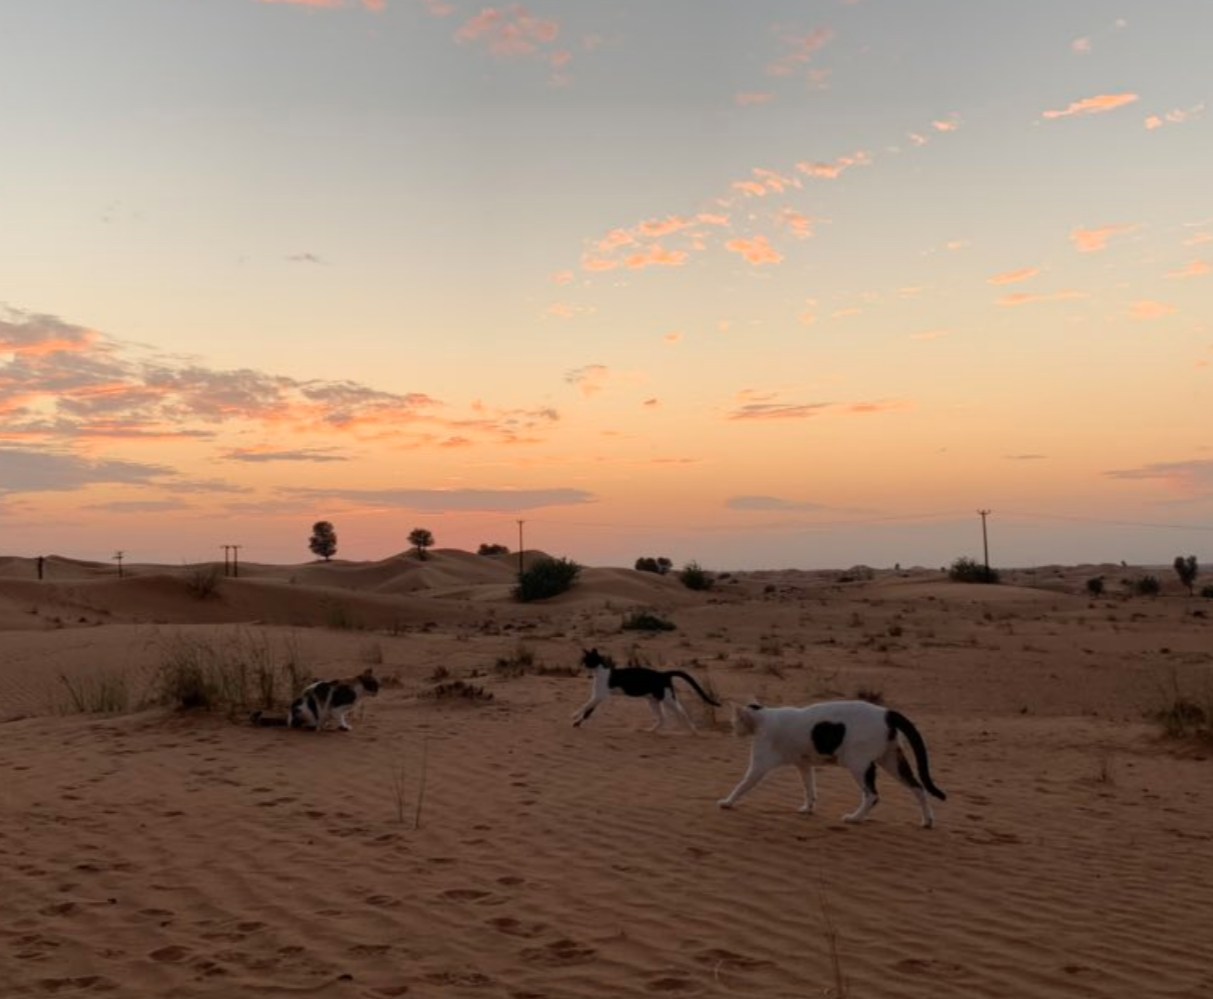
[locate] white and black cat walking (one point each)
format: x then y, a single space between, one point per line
857 735
324 701
657 686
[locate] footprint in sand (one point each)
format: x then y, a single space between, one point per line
465 894
559 954
467 978
59 909
370 950
511 881
516 928
925 966
170 955
670 983
97 983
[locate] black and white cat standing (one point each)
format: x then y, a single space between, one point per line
636 681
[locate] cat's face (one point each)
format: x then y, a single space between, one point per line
593 659
368 682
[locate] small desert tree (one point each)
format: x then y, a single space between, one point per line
421 539
492 549
323 541
1186 569
660 565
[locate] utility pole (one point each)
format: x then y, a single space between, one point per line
231 566
520 523
985 541
118 557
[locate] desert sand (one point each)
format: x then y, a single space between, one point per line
482 847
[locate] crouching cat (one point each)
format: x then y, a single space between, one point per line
857 735
325 701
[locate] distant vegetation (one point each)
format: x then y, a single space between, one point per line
967 570
646 621
487 549
1095 586
323 541
421 539
660 565
1186 569
547 577
694 577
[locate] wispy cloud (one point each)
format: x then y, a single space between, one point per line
1178 116
757 251
1095 240
1023 298
1147 310
798 50
1014 277
755 406
1093 105
833 170
28 470
513 32
456 500
750 98
772 503
1197 268
304 258
590 379
268 454
1187 476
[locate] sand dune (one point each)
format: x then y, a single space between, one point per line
483 847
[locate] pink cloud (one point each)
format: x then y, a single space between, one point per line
799 49
1175 117
1081 46
832 171
1093 105
509 31
1014 277
1023 298
750 187
1197 268
757 251
655 228
801 225
655 256
1095 240
1147 310
746 100
562 277
949 124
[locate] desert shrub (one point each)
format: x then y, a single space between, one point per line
98 693
203 581
460 690
858 574
339 617
967 570
660 565
646 621
1183 715
547 577
1147 586
1207 592
694 577
521 662
235 674
492 549
1095 586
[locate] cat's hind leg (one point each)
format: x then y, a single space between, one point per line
865 777
658 717
670 701
895 762
761 764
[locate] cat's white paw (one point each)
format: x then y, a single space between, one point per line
807 809
724 803
852 818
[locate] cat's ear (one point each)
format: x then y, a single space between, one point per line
368 672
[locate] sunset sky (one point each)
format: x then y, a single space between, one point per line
756 283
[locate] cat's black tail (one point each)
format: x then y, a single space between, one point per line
900 723
257 718
698 689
